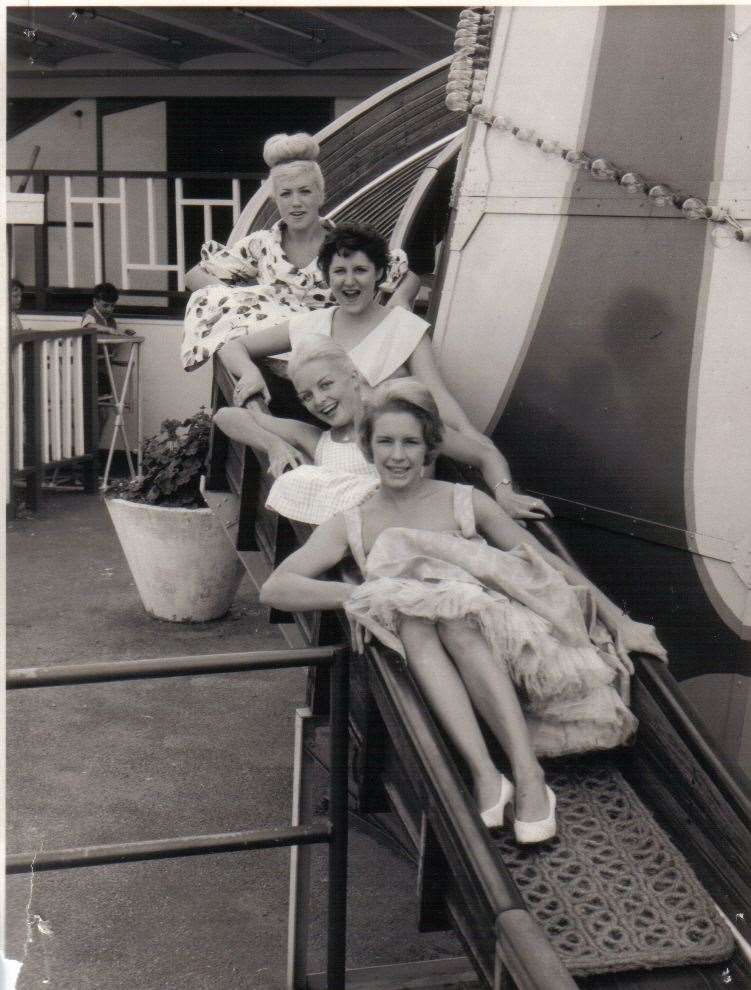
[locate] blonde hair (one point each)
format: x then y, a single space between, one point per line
402 395
283 152
318 347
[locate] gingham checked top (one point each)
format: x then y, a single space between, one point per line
339 479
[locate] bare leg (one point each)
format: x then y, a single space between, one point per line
493 693
447 696
235 357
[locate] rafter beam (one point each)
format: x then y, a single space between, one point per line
431 20
82 39
208 32
344 24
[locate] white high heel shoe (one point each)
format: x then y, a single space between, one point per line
540 831
493 817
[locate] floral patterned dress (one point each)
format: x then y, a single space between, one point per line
234 308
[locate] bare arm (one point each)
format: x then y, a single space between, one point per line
294 585
239 354
495 472
262 343
197 278
405 292
282 440
302 435
504 533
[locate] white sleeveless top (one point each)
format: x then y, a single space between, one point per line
339 479
385 349
338 456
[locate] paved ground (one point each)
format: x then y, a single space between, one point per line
137 760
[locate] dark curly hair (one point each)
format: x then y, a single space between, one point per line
107 292
402 395
348 238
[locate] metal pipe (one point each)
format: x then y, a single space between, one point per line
125 670
185 845
339 795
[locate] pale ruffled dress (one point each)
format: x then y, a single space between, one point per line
340 477
542 630
216 314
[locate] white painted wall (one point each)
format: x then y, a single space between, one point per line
167 391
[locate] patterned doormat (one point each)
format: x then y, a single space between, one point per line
611 891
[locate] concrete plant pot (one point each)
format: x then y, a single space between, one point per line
185 568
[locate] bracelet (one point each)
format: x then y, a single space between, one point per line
503 481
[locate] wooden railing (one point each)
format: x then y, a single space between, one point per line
53 407
151 227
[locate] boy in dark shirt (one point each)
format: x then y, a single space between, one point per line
100 315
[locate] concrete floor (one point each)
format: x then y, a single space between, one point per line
136 760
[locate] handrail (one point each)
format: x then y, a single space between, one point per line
332 833
125 670
725 772
28 336
527 954
494 880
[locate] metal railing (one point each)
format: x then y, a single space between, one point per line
145 234
333 832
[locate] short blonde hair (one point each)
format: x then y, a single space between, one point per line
283 152
402 395
318 347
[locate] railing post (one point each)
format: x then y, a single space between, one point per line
339 795
41 184
90 412
34 425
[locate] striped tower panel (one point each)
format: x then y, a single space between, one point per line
604 339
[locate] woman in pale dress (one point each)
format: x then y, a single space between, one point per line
508 630
269 274
381 343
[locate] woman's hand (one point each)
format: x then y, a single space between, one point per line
637 637
247 386
360 635
520 506
283 455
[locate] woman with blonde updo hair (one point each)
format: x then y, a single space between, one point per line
265 277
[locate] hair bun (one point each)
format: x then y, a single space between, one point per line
282 148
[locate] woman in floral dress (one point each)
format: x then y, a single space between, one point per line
270 274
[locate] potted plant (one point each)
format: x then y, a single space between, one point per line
183 564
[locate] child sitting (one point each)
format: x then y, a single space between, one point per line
100 313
